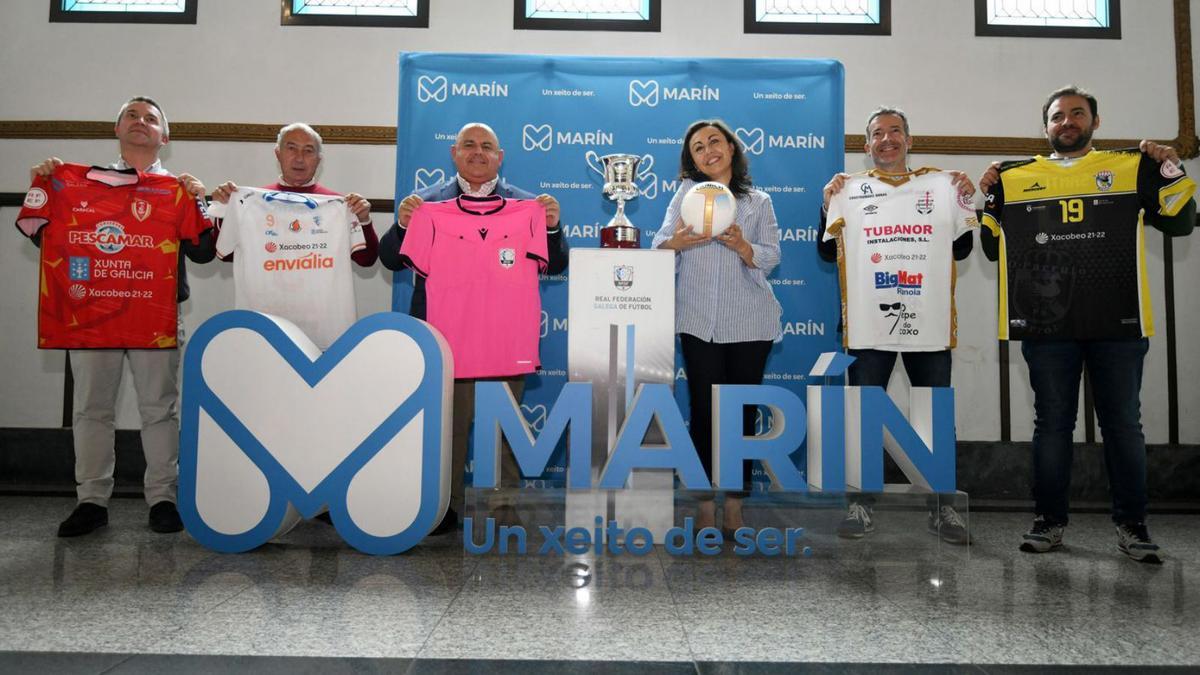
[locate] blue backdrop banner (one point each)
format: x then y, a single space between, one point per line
549 111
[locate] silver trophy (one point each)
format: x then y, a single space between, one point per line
621 173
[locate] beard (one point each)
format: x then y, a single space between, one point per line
1081 141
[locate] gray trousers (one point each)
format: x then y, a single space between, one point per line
464 416
97 374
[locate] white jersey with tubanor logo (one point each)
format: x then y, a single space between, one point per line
895 235
292 257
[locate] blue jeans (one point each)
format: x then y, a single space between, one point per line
1115 369
873 368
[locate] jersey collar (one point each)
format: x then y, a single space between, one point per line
155 168
462 200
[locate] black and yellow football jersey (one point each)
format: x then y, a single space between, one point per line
1072 260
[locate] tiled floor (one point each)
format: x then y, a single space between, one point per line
93 601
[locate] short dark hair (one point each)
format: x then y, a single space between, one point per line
1071 90
740 182
885 110
146 99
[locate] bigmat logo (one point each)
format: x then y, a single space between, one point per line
271 430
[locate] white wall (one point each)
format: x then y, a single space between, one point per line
239 65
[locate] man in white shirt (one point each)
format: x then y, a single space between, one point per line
898 246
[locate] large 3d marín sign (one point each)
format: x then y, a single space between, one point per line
274 430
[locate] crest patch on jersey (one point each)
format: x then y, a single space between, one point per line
35 198
141 209
925 203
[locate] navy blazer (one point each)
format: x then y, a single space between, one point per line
389 243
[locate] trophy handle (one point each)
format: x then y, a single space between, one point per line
593 162
646 164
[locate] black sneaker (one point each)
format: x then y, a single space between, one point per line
948 524
1133 539
857 523
1043 536
449 523
86 518
164 518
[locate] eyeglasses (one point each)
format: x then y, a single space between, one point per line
883 306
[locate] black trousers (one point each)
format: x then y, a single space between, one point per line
710 363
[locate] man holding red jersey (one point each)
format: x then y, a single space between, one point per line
142 131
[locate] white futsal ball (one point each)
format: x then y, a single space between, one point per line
708 208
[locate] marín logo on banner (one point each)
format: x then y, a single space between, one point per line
796 142
548 324
432 88
648 183
537 137
798 234
425 178
649 93
753 140
543 137
438 88
809 327
643 93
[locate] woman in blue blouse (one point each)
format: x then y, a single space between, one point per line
726 314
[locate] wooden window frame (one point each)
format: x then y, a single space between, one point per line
288 18
60 15
651 25
751 24
1112 32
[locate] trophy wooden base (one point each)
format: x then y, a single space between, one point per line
620 236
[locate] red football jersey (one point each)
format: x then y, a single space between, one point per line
110 248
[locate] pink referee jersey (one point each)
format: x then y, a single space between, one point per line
480 258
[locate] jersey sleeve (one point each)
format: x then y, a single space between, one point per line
835 217
35 211
1163 187
194 220
358 239
229 238
538 247
417 249
964 210
993 206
